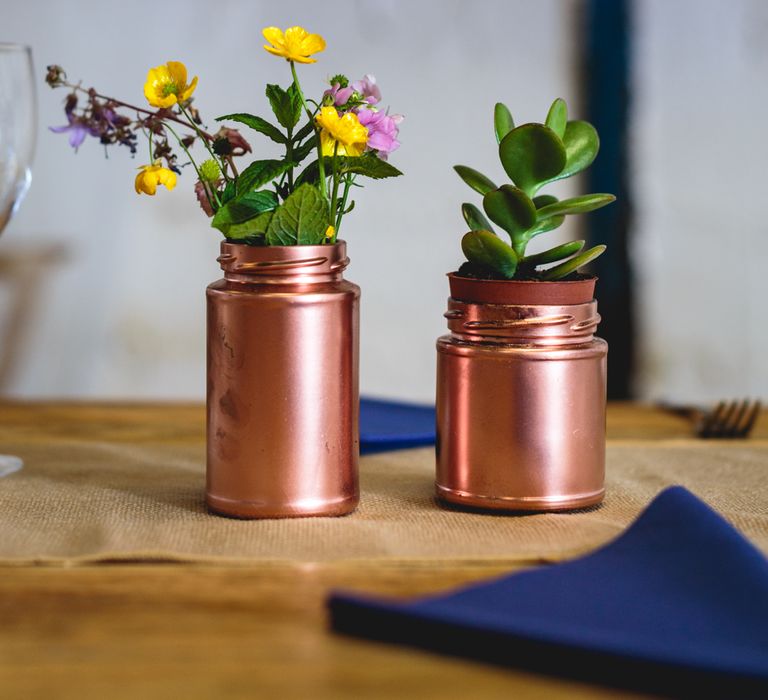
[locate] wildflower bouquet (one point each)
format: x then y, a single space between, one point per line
343 136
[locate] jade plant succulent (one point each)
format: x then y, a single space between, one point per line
533 155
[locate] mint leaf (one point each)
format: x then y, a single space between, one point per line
257 124
239 211
286 104
259 173
369 165
250 230
301 220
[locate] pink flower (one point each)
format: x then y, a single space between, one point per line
368 89
339 94
382 128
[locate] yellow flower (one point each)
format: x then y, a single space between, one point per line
166 85
297 44
153 175
329 232
347 131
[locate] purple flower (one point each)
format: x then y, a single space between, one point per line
339 95
368 89
76 128
382 128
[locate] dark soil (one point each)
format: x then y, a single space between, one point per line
480 272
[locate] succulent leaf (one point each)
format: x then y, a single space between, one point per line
532 154
484 248
502 121
581 146
575 205
477 181
549 224
564 269
557 117
560 252
543 200
512 209
475 218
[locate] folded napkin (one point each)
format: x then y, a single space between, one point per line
391 425
677 604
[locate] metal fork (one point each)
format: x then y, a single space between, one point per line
729 419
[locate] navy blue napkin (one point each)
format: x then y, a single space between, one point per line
678 604
392 425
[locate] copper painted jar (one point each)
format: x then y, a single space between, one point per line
283 404
521 389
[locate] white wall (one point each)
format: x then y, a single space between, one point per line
124 316
701 241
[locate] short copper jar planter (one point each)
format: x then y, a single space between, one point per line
282 393
521 388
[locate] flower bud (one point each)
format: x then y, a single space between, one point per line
210 170
341 80
55 76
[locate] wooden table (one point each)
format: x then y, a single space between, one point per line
191 631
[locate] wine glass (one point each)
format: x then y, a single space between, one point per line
18 127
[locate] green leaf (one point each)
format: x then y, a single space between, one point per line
238 211
564 269
286 104
512 209
559 252
257 124
557 117
581 146
367 165
502 121
305 131
484 248
475 218
532 154
259 173
301 220
543 200
294 95
300 152
310 174
229 191
546 225
575 205
251 229
477 181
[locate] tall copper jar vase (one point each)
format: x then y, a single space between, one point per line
521 388
282 383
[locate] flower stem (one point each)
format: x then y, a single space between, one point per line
194 165
289 156
347 186
202 138
335 180
320 163
142 110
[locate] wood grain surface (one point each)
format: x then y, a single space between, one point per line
190 631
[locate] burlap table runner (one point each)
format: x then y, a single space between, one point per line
79 502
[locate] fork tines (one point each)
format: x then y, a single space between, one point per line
729 419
